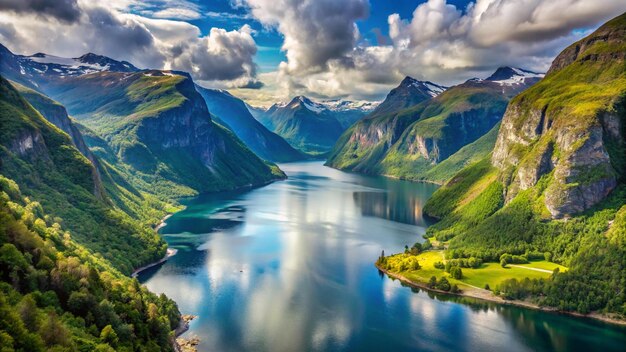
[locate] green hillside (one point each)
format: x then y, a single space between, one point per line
49 169
154 129
56 295
559 154
411 143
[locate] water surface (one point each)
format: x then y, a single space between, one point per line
289 267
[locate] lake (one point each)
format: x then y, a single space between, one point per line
289 267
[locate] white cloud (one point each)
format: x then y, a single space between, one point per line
315 31
224 56
439 42
324 54
177 13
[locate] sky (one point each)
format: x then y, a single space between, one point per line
271 50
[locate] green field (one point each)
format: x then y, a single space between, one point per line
488 273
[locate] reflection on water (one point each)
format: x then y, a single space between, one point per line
288 267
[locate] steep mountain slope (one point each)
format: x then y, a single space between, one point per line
234 113
560 152
37 70
57 115
159 128
305 124
410 142
410 92
311 126
46 165
362 146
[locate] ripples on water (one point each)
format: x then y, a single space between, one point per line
289 267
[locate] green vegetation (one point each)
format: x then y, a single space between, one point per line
43 161
235 115
485 214
430 141
56 295
423 267
153 130
466 156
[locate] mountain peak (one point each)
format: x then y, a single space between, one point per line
507 75
304 102
105 61
427 87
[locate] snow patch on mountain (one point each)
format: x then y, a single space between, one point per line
508 76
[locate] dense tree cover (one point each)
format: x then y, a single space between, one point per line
404 263
592 244
56 295
43 161
442 284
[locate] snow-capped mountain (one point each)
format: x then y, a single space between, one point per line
347 105
430 88
61 66
39 68
507 76
331 105
410 92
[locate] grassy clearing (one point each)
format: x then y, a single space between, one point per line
488 273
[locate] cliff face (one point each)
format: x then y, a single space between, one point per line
452 120
362 146
570 126
411 142
158 124
56 114
234 113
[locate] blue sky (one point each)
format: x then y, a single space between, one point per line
270 50
223 14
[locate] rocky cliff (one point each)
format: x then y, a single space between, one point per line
57 115
410 142
570 126
235 115
363 145
158 124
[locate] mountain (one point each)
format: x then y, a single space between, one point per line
234 113
54 216
36 70
307 125
560 153
348 112
154 123
362 145
410 92
409 142
158 125
44 162
56 113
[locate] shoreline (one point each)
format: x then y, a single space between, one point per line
182 344
163 221
168 254
392 177
488 296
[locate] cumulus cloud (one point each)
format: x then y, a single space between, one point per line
177 13
63 10
222 56
315 31
440 42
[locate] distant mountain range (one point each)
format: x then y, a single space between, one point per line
32 71
413 132
234 114
559 153
312 126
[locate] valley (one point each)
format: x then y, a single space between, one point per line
426 186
